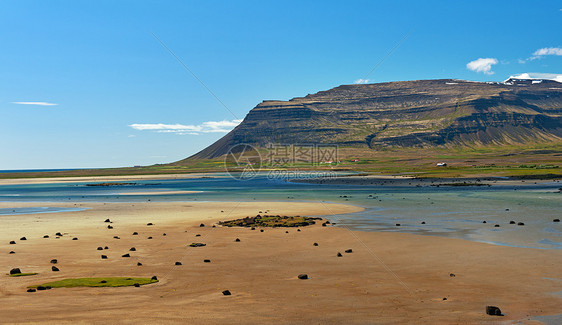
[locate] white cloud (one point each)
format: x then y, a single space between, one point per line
546 51
35 103
362 81
482 65
205 127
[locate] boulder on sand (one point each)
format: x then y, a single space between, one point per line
493 310
54 261
303 276
226 293
54 268
15 271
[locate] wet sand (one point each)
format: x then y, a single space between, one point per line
389 278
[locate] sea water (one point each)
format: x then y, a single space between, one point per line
457 212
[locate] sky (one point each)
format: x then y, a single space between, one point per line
92 84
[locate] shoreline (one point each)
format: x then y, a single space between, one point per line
388 278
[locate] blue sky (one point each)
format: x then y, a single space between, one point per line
122 99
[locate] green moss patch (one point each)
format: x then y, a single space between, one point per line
22 274
271 221
97 282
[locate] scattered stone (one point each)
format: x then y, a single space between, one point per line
423 222
41 288
54 268
202 225
520 223
103 281
497 226
106 247
15 271
23 238
303 276
237 240
197 245
484 221
149 237
107 220
206 261
349 250
58 234
12 252
31 290
75 238
452 275
286 232
109 227
150 224
298 230
444 298
324 224
154 278
226 293
339 254
261 230
126 255
136 285
116 237
103 257
12 242
54 261
100 248
198 235
164 234
493 310
315 244
178 263
253 228
139 264
135 233
556 220
132 249
512 222
397 225
46 236
213 226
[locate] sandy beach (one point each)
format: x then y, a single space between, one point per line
389 278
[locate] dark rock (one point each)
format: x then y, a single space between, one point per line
556 220
423 222
484 221
54 261
107 220
178 263
261 230
149 237
520 223
132 249
253 228
75 238
23 238
226 293
46 236
139 264
397 225
512 222
58 234
164 234
206 261
197 245
15 271
315 244
31 290
116 237
100 248
202 225
286 232
452 275
103 281
154 278
150 224
136 285
48 287
198 235
54 268
298 230
237 240
41 288
213 226
493 310
106 247
135 233
339 254
303 276
497 226
109 227
126 255
324 224
349 250
103 257
444 299
12 242
12 252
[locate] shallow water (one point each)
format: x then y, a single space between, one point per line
447 211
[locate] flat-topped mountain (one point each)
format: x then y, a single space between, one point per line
421 113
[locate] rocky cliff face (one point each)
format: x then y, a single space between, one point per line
420 113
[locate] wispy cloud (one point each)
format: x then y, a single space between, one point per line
362 81
483 65
181 129
35 103
546 51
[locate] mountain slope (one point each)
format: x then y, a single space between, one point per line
423 113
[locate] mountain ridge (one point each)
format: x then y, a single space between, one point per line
411 114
